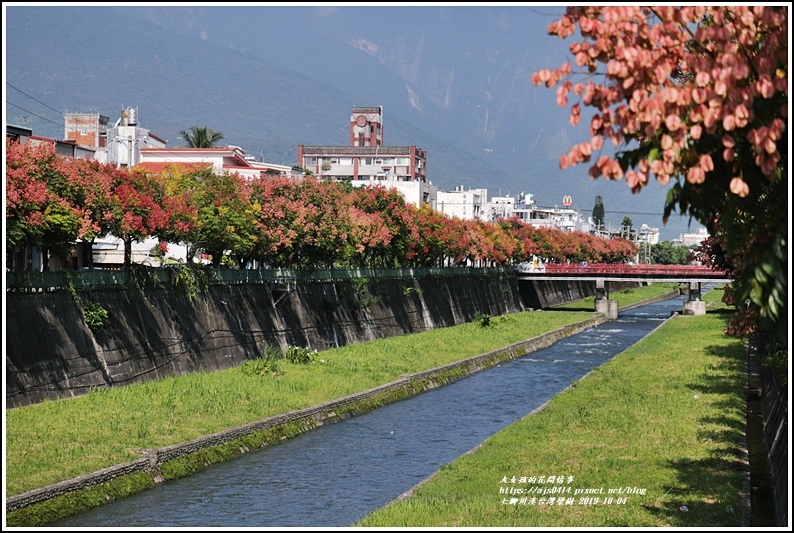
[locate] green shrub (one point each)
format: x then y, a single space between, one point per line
140 277
259 367
190 279
483 319
266 363
94 314
407 291
363 299
299 355
777 363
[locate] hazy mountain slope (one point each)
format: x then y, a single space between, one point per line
454 81
96 58
424 64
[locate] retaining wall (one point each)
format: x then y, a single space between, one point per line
543 294
150 334
774 402
51 353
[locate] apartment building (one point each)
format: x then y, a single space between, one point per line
86 129
367 161
462 203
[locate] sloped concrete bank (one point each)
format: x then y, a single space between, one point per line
545 294
150 334
47 504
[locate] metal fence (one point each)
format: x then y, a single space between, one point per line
27 281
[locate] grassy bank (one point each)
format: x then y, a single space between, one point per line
661 424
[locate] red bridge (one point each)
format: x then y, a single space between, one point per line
624 272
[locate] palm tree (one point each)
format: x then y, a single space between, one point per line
200 137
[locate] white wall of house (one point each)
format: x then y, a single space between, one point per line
110 250
460 203
231 159
414 192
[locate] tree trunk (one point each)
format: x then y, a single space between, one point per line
127 252
88 253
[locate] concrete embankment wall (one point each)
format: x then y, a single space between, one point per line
544 294
150 334
51 353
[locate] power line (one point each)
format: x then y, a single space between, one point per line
74 128
39 101
610 212
71 128
63 115
34 114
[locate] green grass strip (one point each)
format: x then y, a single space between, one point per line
663 421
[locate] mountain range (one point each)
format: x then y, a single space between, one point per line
454 80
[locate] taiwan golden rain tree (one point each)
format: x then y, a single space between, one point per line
696 98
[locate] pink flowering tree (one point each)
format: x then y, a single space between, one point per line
696 98
53 201
137 209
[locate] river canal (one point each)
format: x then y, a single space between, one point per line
334 475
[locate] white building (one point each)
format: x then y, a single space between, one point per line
648 234
126 139
231 159
365 158
366 161
460 203
473 204
566 219
414 192
688 239
109 250
500 207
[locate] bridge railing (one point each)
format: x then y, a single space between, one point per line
637 270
